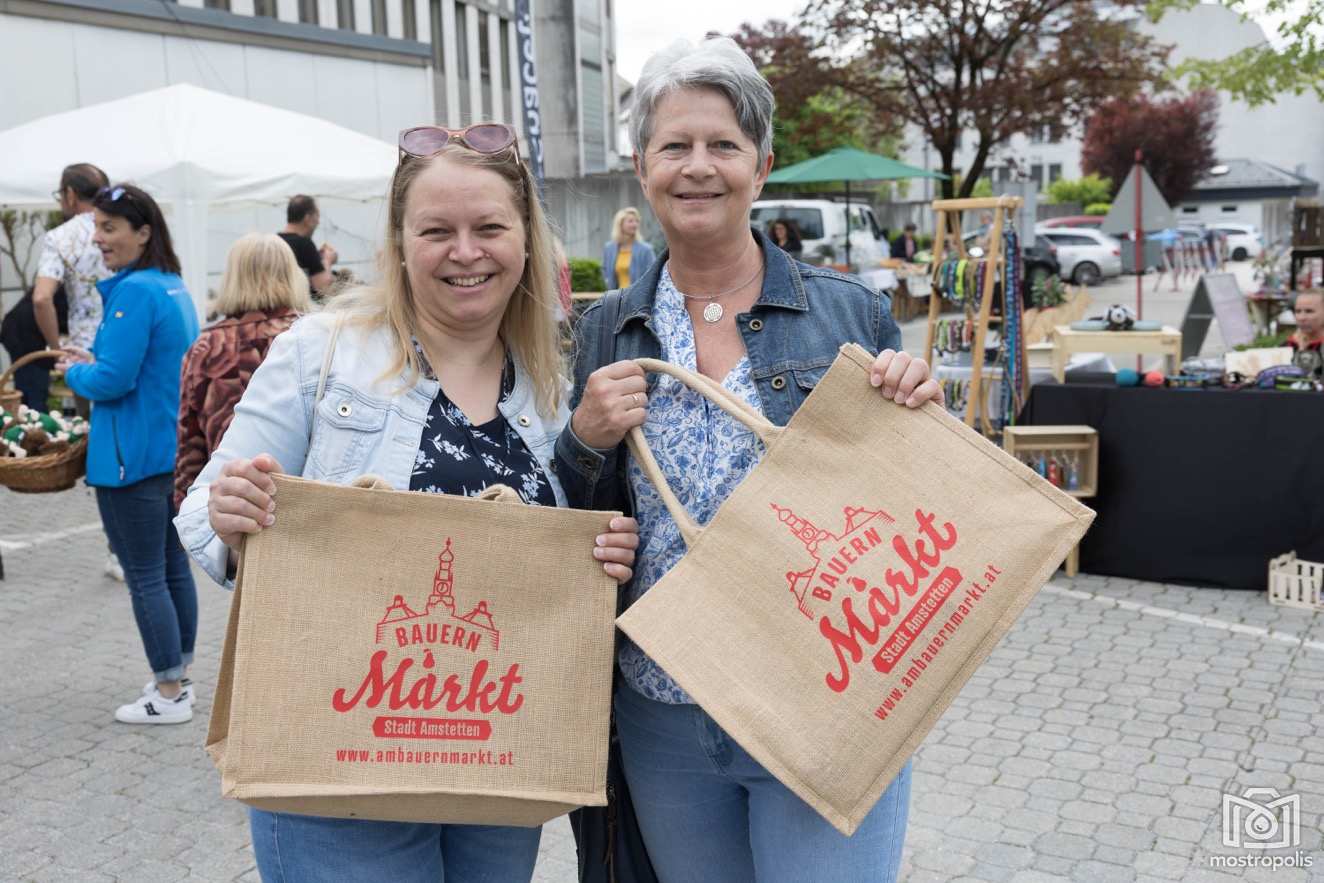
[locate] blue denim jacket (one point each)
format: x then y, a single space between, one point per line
366 423
792 334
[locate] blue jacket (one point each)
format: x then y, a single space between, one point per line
641 258
148 322
792 334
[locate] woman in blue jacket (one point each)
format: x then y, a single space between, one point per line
626 257
132 378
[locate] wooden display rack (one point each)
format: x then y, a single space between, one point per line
950 234
1018 440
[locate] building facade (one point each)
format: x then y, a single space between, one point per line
374 66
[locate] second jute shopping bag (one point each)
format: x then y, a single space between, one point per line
839 599
417 657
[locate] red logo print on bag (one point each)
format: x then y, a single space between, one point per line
846 570
417 684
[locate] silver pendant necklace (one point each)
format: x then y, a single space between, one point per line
713 312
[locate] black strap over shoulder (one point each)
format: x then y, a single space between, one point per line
611 314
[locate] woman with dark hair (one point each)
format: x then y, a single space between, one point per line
132 377
783 235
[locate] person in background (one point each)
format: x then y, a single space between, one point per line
19 335
626 257
132 377
263 291
301 219
1308 339
783 235
722 301
453 363
905 245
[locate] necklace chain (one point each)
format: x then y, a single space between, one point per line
703 297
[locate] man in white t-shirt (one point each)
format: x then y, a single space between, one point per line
68 256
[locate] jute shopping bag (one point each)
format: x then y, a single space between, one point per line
417 657
834 606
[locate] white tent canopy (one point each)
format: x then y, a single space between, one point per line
192 149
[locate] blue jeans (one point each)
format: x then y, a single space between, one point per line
309 849
710 812
156 568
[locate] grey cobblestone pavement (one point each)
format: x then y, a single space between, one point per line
1094 745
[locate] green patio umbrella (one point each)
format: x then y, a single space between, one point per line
848 164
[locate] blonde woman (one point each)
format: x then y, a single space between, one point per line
263 291
626 257
445 378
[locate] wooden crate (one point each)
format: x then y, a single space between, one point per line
1296 583
1017 440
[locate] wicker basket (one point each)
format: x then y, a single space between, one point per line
45 473
10 398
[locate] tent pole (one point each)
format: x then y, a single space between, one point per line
848 226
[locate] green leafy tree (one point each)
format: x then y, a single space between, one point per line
1083 191
813 115
1258 74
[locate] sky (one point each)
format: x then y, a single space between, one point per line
645 26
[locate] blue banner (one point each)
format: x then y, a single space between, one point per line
528 81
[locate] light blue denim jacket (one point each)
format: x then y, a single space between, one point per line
364 424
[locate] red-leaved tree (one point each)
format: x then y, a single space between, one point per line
1176 136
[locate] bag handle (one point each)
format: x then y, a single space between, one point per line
761 426
25 360
498 493
327 357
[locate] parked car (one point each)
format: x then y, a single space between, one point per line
1090 221
1244 242
822 227
1086 256
1040 262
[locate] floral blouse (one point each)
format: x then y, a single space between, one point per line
456 457
703 451
68 254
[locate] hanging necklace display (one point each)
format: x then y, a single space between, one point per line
713 312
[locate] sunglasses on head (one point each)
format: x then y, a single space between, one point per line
424 141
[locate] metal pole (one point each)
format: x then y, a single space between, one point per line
848 226
1140 243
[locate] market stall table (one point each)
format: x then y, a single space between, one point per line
1166 343
1196 486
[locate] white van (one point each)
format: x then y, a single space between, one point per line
822 227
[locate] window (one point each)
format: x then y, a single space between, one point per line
1037 174
484 55
379 17
438 40
345 15
1054 171
1229 209
308 12
217 4
808 221
1190 209
411 19
264 8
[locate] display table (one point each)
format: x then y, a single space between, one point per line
1198 486
1166 343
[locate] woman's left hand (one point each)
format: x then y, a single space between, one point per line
905 379
74 356
615 549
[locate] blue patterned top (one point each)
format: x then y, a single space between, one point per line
456 457
704 452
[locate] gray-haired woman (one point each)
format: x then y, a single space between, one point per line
725 303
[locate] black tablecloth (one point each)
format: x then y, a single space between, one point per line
1196 486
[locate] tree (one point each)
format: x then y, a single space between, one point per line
1176 136
1258 74
994 67
1085 191
813 114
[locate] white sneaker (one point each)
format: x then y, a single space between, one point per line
114 570
153 708
149 689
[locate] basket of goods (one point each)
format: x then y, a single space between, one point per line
11 397
40 453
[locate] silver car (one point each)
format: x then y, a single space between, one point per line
1086 256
